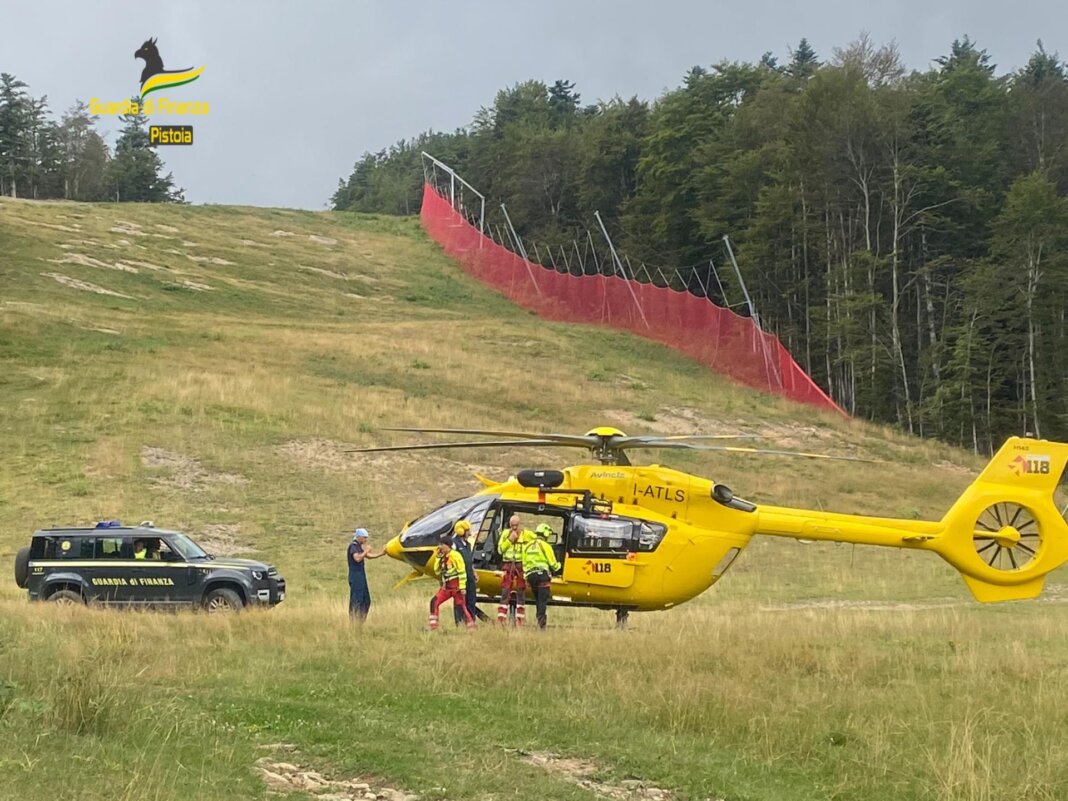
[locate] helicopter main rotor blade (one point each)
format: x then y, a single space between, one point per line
560 439
648 440
429 446
756 451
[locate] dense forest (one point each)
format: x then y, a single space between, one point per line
44 159
902 232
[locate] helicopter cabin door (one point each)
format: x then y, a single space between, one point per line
601 550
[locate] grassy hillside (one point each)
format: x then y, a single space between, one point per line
206 368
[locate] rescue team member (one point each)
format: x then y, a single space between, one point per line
139 550
461 534
539 564
510 546
359 592
449 565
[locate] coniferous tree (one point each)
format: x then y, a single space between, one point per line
135 173
15 114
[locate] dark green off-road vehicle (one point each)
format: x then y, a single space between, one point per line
140 566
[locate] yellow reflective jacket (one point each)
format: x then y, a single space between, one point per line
451 567
538 555
513 551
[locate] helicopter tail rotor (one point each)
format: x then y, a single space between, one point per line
1008 530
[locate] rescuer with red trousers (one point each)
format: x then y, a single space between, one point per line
510 545
449 565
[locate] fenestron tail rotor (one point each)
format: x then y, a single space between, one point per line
1007 536
607 445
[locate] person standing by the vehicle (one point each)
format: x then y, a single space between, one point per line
449 565
539 564
359 592
461 543
510 545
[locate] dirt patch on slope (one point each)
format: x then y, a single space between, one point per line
583 772
672 420
679 420
321 271
184 472
127 231
210 260
327 454
288 777
322 240
88 261
145 265
222 539
84 286
454 479
70 229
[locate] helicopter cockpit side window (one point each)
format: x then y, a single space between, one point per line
614 535
426 531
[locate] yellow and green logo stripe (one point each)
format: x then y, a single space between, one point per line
168 80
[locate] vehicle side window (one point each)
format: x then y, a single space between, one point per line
43 548
114 548
70 548
165 553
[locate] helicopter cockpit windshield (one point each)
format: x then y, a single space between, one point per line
426 531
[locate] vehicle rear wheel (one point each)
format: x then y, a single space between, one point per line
66 598
22 568
223 600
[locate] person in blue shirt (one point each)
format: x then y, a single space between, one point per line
359 592
461 542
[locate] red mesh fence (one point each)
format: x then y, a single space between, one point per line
717 337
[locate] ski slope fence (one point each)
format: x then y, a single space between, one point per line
728 343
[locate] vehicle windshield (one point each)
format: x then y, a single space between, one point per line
186 547
426 530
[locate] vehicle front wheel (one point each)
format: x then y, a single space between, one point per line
66 598
223 600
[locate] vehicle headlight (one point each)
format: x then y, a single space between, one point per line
259 574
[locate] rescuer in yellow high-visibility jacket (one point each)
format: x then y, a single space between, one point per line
448 563
510 545
539 564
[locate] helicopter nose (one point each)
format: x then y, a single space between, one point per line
394 548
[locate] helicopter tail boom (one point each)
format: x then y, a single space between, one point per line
1004 534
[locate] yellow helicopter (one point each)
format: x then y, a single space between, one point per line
648 538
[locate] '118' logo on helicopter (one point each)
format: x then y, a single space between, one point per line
1030 465
592 567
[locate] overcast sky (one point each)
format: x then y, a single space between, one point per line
299 90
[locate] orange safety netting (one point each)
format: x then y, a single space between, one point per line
717 337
